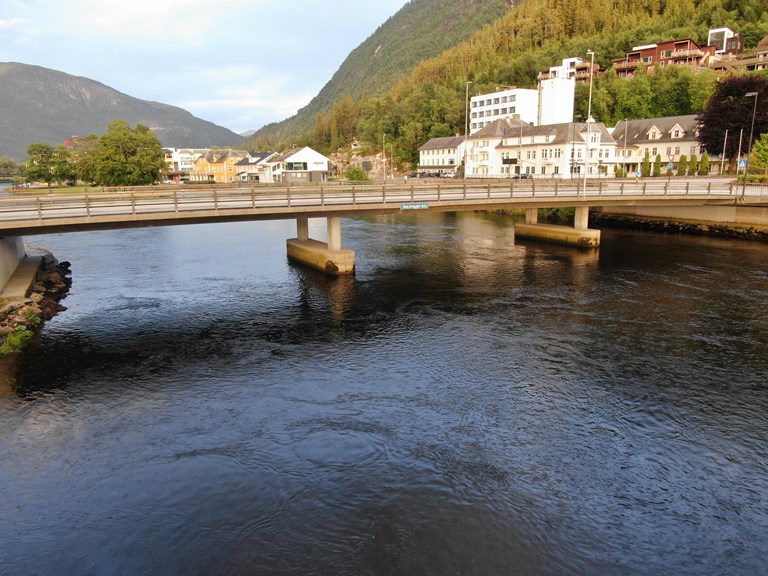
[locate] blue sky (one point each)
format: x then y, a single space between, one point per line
239 63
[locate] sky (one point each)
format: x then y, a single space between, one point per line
238 63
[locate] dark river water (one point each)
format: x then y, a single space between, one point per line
465 405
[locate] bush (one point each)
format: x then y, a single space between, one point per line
355 174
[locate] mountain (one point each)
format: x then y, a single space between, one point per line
43 105
421 29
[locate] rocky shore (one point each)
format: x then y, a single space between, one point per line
21 318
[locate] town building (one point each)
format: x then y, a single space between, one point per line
725 41
441 156
487 108
511 147
298 165
685 52
181 161
218 165
255 167
670 137
749 60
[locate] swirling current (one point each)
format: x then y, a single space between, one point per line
465 404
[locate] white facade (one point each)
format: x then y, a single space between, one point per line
556 100
299 165
508 148
441 155
718 37
485 108
182 159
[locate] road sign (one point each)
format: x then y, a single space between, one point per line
743 163
670 166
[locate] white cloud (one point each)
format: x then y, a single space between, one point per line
10 22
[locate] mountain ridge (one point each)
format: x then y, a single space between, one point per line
45 105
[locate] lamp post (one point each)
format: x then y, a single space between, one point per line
749 144
624 160
384 152
589 119
466 127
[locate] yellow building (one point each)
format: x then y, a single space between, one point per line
217 166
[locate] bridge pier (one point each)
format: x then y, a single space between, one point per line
578 235
11 255
328 257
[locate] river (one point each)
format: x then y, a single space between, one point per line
466 404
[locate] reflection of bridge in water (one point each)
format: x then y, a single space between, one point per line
113 208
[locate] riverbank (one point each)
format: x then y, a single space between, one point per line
31 298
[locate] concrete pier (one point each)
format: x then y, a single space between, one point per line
328 257
11 255
578 235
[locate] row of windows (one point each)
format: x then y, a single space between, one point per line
494 112
492 101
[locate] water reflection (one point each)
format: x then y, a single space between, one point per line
465 404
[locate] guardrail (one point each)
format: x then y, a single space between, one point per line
175 200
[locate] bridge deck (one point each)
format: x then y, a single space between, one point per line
160 206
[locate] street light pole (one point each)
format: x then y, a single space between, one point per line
466 127
589 118
624 160
749 144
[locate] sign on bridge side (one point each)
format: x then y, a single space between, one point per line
414 206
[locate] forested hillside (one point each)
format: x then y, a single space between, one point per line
533 36
421 29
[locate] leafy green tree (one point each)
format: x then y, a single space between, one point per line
693 165
126 157
657 165
682 166
759 157
39 166
704 164
8 167
646 168
62 167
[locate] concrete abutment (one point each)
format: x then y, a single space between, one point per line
579 235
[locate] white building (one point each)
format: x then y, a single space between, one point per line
486 108
509 147
299 165
441 155
670 137
181 161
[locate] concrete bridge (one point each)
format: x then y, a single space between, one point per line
112 208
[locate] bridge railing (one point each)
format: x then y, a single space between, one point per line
177 199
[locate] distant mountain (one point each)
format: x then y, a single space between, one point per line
420 30
42 105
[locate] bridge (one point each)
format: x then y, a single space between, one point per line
112 208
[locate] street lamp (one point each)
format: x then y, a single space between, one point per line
749 145
589 119
466 128
624 160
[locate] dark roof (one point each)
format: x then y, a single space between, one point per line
564 133
443 143
637 130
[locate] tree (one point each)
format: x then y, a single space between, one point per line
657 165
39 166
8 167
126 157
646 168
704 164
729 109
682 166
759 157
693 165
